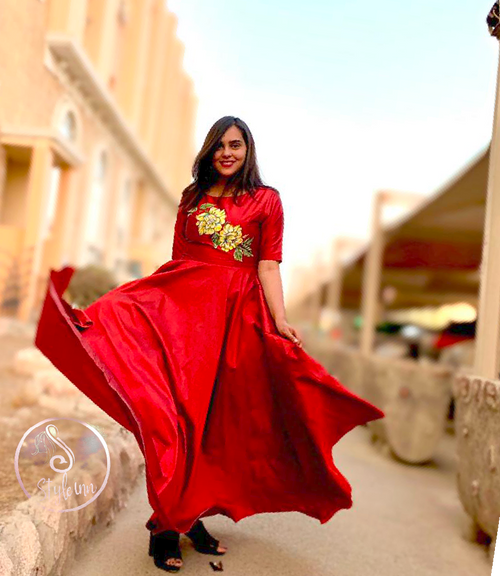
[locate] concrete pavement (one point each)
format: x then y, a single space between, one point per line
406 521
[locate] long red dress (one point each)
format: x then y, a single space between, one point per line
232 417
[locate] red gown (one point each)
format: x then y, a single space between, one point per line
232 417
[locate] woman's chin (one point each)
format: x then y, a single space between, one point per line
227 173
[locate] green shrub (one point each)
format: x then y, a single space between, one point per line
90 283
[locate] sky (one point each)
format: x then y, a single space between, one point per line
344 98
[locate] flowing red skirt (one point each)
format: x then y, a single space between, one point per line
232 418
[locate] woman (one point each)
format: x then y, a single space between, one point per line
199 362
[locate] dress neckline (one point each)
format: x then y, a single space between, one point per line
218 197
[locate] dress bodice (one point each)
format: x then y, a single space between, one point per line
237 232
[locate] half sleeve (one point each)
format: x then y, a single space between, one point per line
179 241
272 227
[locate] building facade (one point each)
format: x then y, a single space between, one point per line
96 140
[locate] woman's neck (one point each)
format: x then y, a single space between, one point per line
218 188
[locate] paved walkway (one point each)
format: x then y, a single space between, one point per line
405 521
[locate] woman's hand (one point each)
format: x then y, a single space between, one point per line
288 331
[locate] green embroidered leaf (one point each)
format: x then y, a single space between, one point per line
247 241
206 205
215 239
246 251
238 254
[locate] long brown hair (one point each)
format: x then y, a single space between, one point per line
205 175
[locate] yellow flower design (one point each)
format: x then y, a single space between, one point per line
230 237
224 235
211 221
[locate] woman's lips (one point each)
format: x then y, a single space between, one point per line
227 164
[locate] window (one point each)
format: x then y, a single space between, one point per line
135 268
67 126
123 218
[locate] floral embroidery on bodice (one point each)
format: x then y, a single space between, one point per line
237 233
224 235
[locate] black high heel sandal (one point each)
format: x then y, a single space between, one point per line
163 547
202 540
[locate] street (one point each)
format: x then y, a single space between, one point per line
405 521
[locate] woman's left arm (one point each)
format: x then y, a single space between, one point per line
270 278
270 257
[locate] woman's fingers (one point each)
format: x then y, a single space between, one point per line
297 336
290 333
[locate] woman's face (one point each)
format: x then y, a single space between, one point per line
230 154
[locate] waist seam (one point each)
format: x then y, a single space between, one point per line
211 262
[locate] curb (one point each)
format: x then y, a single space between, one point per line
34 540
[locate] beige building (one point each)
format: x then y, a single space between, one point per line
96 140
